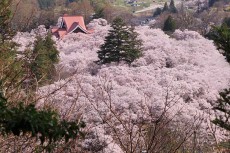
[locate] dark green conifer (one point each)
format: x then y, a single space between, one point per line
157 12
45 56
166 7
134 47
172 7
221 37
121 44
170 24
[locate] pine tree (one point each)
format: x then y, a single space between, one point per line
134 47
172 7
157 12
166 7
45 56
223 107
221 37
170 24
121 44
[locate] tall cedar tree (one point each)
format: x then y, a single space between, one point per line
221 37
121 44
170 24
172 7
166 7
45 56
157 12
223 107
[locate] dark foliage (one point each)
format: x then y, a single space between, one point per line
166 7
223 107
157 12
221 37
172 7
170 24
44 56
121 44
43 124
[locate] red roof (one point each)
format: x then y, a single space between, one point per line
61 32
70 24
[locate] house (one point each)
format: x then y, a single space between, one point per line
69 24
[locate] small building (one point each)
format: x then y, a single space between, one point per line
69 24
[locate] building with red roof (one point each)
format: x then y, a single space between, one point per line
69 24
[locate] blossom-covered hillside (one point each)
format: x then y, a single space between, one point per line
183 73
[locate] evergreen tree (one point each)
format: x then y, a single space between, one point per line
170 24
45 56
134 47
172 7
157 12
45 124
166 7
221 37
223 107
121 44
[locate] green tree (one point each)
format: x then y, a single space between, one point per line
166 7
121 44
43 124
172 7
170 24
157 12
221 37
223 107
44 56
134 47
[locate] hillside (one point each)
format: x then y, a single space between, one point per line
183 73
